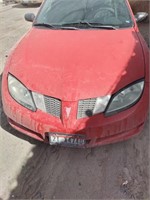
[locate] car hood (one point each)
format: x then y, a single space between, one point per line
77 64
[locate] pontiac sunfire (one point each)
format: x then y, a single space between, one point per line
79 77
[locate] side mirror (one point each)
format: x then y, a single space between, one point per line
140 16
29 17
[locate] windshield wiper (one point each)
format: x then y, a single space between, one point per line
56 26
71 26
45 25
91 25
98 25
68 28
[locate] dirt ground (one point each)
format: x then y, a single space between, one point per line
33 170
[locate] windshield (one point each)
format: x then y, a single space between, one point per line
77 13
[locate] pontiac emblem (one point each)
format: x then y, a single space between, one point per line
68 110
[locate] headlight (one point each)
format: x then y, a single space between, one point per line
126 97
20 93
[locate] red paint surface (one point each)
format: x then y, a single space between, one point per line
74 65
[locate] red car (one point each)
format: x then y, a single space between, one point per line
79 77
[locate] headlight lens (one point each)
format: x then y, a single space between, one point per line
126 97
20 93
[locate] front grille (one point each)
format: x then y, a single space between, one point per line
53 106
86 107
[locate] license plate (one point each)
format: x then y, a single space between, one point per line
66 140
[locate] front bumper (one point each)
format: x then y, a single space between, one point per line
97 129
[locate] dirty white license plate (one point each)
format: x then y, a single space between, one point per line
66 140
